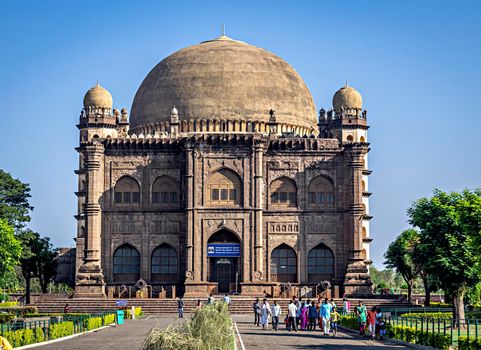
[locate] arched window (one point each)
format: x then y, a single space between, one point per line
364 232
164 264
224 188
126 264
127 191
362 139
363 186
320 193
350 138
283 193
284 264
165 192
320 264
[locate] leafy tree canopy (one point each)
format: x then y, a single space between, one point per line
10 250
450 225
14 196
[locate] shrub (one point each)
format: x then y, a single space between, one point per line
209 329
59 330
4 318
472 344
349 322
93 323
137 310
435 315
9 304
109 319
411 335
22 337
20 311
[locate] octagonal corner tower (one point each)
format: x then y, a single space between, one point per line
223 80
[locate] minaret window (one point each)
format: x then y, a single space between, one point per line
127 191
321 193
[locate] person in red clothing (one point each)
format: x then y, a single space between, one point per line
371 321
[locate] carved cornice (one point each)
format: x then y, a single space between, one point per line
366 172
366 194
367 240
367 217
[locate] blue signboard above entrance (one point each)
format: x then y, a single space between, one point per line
222 250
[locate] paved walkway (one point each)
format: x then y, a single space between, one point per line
255 338
129 336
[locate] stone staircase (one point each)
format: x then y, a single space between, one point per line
239 305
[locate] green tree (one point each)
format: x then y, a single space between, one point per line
14 195
46 263
399 256
10 250
450 225
38 260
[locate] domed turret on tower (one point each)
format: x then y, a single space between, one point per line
98 97
348 98
346 121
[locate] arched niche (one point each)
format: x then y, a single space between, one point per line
320 192
283 193
224 188
126 191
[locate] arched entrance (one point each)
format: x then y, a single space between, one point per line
223 252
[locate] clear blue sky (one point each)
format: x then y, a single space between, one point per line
416 63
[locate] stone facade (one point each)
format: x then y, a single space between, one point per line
151 206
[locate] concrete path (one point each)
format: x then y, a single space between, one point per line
129 336
254 338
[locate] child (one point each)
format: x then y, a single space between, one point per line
334 321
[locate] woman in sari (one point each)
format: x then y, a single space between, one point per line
304 317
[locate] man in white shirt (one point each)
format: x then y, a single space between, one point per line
227 299
276 313
292 316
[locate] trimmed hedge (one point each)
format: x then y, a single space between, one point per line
435 315
9 304
19 311
472 344
93 323
59 330
138 312
349 322
4 318
442 315
109 319
23 337
411 335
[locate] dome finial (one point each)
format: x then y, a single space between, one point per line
223 29
346 84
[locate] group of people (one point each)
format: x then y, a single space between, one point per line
371 321
307 315
303 315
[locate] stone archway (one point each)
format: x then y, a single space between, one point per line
223 254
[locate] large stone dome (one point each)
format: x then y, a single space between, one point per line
224 79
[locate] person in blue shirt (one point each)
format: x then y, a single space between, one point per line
312 314
326 316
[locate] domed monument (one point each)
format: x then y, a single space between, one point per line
223 179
